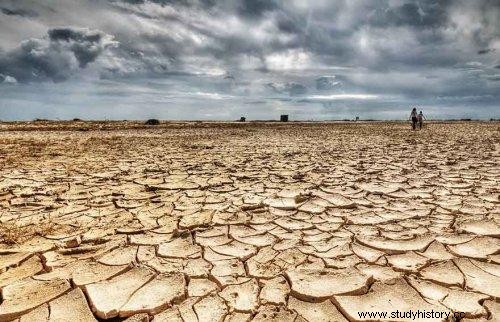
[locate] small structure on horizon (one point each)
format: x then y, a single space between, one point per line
357 118
284 118
152 122
243 119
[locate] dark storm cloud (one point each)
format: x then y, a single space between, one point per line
56 57
375 34
86 45
255 8
287 50
288 24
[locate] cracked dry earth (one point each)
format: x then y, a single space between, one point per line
256 221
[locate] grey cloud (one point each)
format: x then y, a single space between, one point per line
18 12
253 8
275 88
325 83
418 26
247 8
427 13
495 78
486 51
415 50
78 35
296 89
85 44
56 57
207 3
292 89
289 24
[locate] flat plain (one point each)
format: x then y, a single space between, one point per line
192 221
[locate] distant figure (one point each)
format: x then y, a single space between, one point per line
413 118
420 118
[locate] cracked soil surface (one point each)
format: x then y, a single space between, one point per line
254 221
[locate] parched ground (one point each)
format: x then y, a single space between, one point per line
263 221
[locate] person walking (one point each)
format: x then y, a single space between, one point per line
420 118
413 118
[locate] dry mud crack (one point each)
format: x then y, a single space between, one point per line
239 222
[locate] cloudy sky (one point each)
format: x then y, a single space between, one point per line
222 59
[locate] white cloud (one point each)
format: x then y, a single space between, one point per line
297 59
9 80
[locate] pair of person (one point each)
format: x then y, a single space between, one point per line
416 118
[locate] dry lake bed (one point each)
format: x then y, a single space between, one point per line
189 221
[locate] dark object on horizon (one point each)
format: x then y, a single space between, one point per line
243 119
152 122
466 120
41 120
77 120
284 118
357 118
